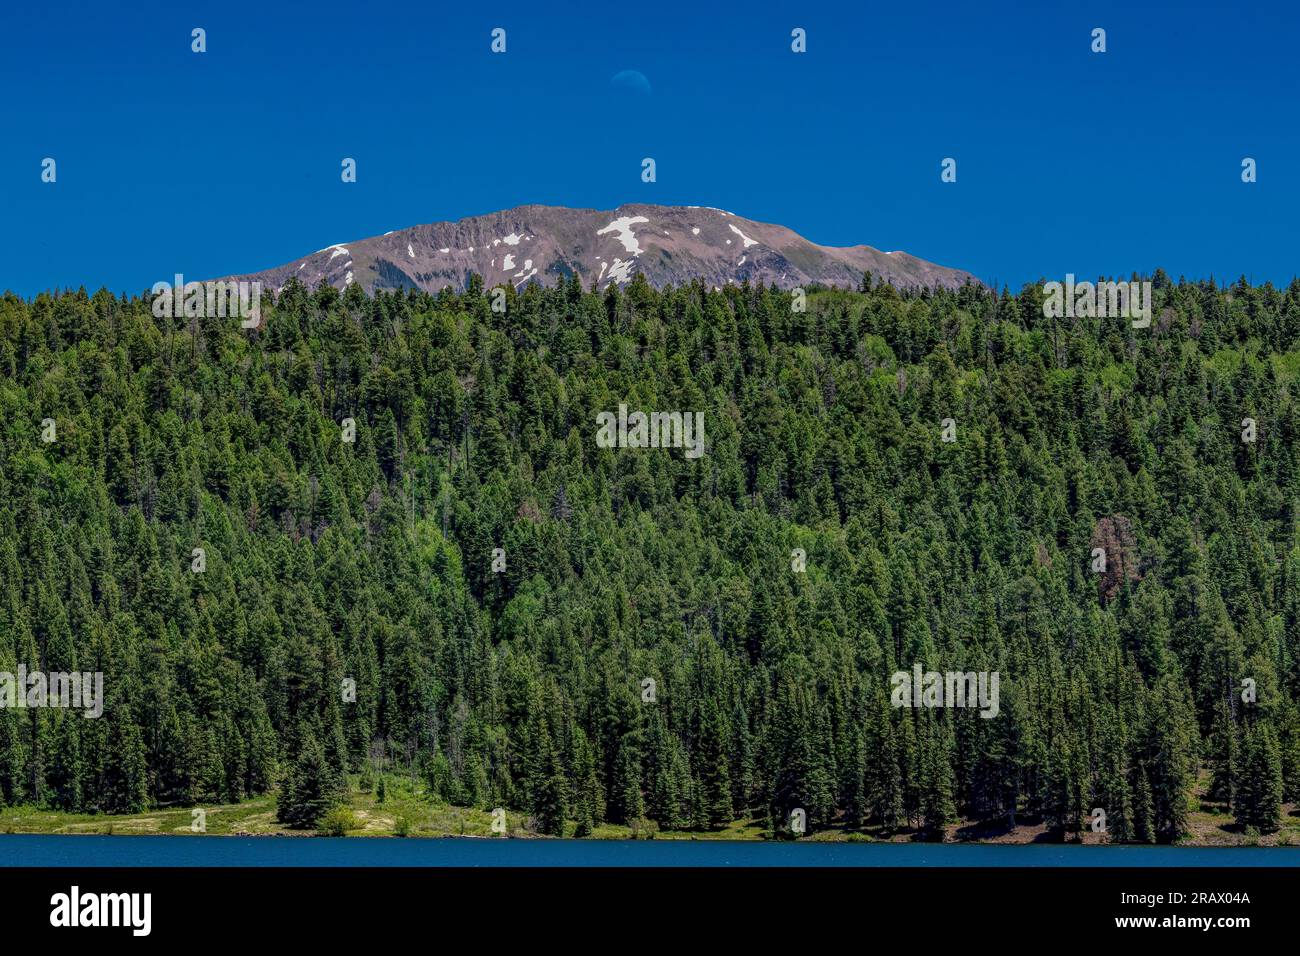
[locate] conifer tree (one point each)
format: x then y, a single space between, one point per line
309 791
1257 800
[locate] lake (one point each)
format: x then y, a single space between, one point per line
98 850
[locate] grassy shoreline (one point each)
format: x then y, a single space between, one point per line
407 809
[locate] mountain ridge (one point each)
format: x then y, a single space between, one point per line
540 243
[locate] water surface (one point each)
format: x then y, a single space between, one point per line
100 850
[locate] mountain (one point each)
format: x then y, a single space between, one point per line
668 244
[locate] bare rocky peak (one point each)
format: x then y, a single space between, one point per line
667 244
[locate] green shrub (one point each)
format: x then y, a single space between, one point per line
338 821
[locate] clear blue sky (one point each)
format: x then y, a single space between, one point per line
1068 161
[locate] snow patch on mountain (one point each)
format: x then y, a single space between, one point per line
748 241
620 271
623 226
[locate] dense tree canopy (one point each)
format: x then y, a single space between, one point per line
326 561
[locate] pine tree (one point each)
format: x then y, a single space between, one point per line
1257 801
937 808
715 773
550 794
1143 810
125 772
309 791
587 787
852 795
66 766
884 786
631 805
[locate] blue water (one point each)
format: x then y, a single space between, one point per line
83 851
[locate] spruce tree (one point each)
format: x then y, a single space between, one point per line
309 791
1257 801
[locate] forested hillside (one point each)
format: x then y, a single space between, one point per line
324 560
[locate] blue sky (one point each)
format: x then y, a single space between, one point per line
1068 161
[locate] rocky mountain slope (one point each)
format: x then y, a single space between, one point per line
668 244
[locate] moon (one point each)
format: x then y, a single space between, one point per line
631 81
